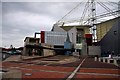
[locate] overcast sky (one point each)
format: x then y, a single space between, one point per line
23 19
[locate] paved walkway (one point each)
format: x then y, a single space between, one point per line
88 70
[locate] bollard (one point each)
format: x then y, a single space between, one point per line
103 60
95 58
115 61
108 61
4 56
99 59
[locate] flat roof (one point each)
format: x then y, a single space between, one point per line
108 20
76 26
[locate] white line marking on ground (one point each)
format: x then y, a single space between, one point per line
101 68
47 64
38 70
100 74
75 71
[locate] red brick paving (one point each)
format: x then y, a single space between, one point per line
10 64
95 67
90 63
87 67
104 71
72 64
53 68
41 75
95 77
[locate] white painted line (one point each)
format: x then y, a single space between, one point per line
75 71
47 64
100 74
38 70
44 70
100 68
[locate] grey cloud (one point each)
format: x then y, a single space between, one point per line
51 8
53 0
21 19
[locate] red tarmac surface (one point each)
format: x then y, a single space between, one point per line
95 77
50 68
102 71
43 75
11 64
90 70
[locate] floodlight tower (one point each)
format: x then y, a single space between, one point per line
93 20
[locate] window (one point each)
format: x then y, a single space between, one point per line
78 36
32 40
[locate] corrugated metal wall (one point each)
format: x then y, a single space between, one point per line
55 38
104 27
111 40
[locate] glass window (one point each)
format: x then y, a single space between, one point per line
78 36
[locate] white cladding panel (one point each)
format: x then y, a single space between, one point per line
55 38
